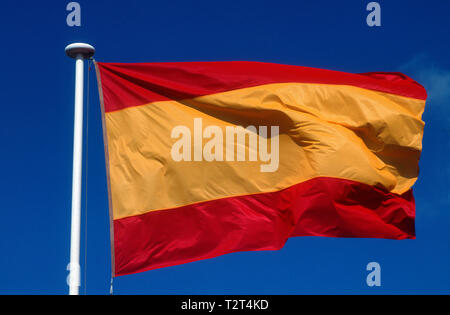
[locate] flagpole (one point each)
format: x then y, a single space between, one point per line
79 52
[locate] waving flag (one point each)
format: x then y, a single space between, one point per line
208 158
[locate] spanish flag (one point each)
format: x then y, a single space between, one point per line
209 158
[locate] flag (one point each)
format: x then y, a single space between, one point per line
209 158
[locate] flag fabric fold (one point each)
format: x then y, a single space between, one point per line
209 158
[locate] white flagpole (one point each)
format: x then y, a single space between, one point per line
78 51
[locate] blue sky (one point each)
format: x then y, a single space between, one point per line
36 130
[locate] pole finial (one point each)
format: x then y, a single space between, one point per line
75 50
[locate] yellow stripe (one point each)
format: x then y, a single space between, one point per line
325 130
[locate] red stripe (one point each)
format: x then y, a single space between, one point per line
127 85
318 207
